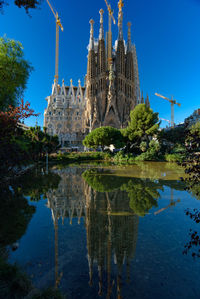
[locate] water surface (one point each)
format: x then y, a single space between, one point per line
110 231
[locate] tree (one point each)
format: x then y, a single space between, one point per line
40 143
12 153
192 169
27 4
104 136
14 72
144 123
174 135
192 163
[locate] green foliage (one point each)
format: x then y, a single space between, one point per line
36 183
179 149
14 72
152 153
15 283
143 146
176 157
174 135
104 136
101 183
16 213
21 147
80 157
122 158
142 196
154 145
193 136
40 142
192 159
143 124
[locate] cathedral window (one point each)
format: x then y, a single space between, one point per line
49 112
54 100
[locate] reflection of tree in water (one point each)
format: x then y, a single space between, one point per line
143 195
15 215
15 210
37 182
193 245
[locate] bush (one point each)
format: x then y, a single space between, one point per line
174 157
143 146
148 156
123 158
152 154
154 145
178 149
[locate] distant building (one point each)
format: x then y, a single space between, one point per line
192 119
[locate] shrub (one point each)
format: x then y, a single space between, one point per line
143 146
174 157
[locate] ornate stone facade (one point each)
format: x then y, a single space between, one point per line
112 83
111 90
64 113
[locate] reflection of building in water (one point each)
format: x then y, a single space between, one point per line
111 226
111 236
66 201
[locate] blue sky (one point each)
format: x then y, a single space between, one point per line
166 34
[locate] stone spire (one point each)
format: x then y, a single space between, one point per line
129 44
147 102
142 99
101 31
91 43
120 19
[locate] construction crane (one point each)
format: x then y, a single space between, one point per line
167 120
58 24
109 33
173 102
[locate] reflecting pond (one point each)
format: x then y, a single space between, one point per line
97 230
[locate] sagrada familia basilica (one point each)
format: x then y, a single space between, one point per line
111 90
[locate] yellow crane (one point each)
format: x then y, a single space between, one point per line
109 33
173 102
58 24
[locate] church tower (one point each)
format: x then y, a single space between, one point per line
112 81
91 77
101 74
